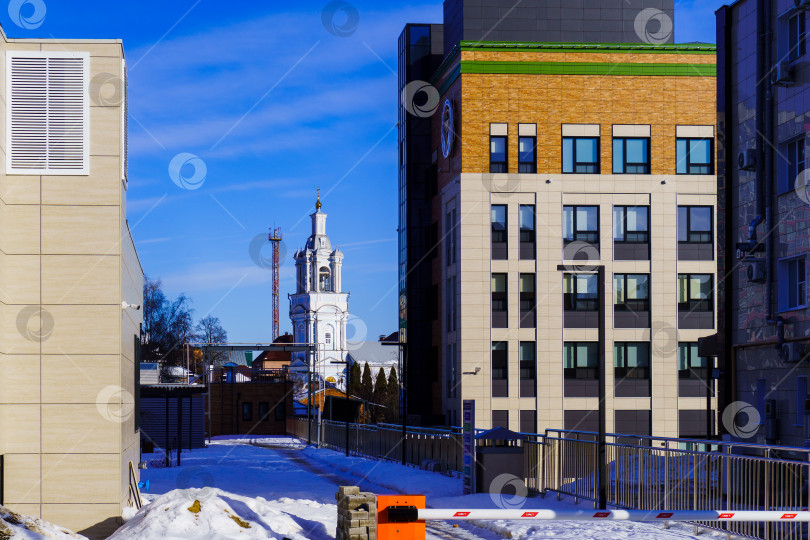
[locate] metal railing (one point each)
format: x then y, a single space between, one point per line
643 473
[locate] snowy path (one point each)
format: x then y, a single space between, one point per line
291 487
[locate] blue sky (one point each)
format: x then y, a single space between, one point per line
275 106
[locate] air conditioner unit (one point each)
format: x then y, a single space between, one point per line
782 74
747 160
756 271
802 5
792 352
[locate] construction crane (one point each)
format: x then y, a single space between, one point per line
275 239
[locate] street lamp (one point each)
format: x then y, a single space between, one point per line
348 379
601 444
403 376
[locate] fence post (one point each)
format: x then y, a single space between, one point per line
641 478
666 476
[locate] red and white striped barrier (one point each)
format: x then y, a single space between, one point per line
433 514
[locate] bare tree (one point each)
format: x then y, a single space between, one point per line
210 330
166 325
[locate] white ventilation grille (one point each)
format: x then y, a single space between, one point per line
47 120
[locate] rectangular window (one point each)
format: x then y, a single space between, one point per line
690 365
580 155
247 412
528 421
528 369
280 411
527 151
500 245
528 236
328 338
631 155
500 301
264 410
450 231
47 113
581 224
631 224
796 163
695 225
500 362
581 360
797 37
497 154
500 419
528 301
695 156
792 283
631 360
581 292
695 293
631 292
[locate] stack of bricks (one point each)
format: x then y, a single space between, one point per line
357 514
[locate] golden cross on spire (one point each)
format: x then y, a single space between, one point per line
318 204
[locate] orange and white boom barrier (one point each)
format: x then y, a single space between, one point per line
408 514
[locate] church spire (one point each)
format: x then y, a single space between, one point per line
318 203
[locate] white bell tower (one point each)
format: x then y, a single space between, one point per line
319 309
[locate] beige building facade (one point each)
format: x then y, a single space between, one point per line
70 284
551 159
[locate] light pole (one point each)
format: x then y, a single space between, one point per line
403 376
348 405
601 443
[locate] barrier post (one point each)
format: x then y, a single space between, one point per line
387 530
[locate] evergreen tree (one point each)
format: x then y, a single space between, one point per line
354 379
392 399
380 396
366 386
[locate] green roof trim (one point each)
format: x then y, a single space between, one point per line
589 68
604 48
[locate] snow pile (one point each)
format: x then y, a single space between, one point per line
19 527
209 513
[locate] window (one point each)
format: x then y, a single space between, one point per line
631 292
580 155
247 412
500 355
500 311
792 283
695 292
500 246
581 360
797 41
328 338
690 365
450 231
528 301
497 155
795 165
527 232
47 112
631 360
695 156
264 410
695 225
325 283
631 156
528 368
450 303
581 292
527 153
581 224
281 411
631 224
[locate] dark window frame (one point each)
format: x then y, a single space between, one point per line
498 167
264 410
634 305
646 166
582 167
797 161
528 236
797 36
694 168
499 238
788 291
626 372
581 235
640 237
527 367
692 371
576 301
247 411
500 372
692 304
577 372
527 166
502 298
528 301
704 237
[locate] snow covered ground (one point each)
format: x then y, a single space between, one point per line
15 526
284 488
